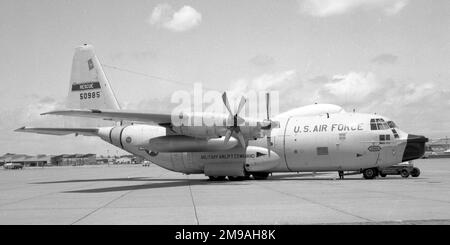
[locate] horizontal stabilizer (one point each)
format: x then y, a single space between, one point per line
60 131
115 115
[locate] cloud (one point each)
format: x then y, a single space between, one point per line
363 90
325 8
184 19
385 59
267 81
351 88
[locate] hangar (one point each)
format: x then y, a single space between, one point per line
26 160
49 160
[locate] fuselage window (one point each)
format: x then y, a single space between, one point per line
385 138
382 139
322 151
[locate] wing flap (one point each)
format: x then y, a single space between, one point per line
60 131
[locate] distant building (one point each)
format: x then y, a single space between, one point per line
74 159
49 160
26 160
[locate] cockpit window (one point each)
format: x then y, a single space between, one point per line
373 125
391 124
378 124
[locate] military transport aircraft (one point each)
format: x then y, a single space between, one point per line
313 138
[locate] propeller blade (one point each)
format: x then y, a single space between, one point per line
241 139
227 104
227 136
269 141
268 105
241 105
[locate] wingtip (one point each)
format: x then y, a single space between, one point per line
20 129
49 113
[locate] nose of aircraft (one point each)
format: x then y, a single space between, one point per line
415 147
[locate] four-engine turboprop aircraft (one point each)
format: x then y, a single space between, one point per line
318 137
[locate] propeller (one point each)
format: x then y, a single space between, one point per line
234 120
268 124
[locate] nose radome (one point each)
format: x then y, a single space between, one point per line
415 147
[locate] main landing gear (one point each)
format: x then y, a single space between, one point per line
256 176
370 173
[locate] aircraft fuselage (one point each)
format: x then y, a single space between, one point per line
328 142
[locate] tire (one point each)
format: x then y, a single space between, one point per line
260 176
404 173
370 173
383 175
236 178
415 172
216 178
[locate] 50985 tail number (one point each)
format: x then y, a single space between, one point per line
89 95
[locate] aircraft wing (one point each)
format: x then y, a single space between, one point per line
115 115
60 131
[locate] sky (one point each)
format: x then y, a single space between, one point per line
390 57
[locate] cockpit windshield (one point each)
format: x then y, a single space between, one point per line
392 124
378 124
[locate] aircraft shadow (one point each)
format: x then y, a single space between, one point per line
301 175
103 180
167 184
171 183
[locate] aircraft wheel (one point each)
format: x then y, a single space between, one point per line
260 176
404 173
383 175
216 178
415 172
236 178
370 173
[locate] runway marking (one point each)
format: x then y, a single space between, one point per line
95 210
107 204
193 202
317 203
37 196
26 199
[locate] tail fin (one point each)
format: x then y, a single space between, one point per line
89 87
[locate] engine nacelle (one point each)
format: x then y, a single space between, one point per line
260 160
181 143
131 138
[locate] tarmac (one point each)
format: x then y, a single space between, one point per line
133 194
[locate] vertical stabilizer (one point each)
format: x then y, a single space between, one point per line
89 88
